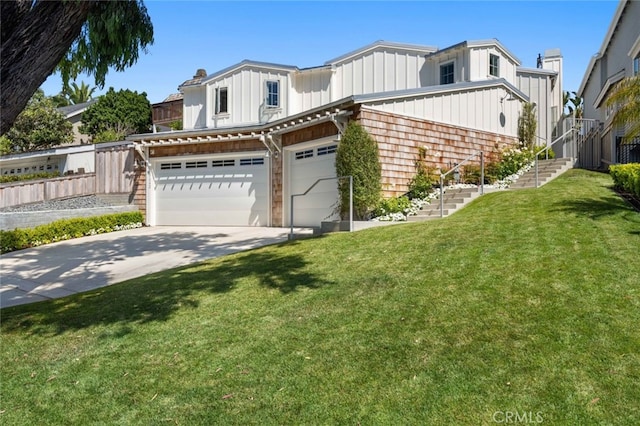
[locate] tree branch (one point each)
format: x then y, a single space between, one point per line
35 40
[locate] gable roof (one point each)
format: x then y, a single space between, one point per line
605 45
442 88
173 97
244 64
73 110
380 44
478 43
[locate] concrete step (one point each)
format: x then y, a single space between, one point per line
547 171
453 200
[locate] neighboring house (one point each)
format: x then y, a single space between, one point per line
168 112
76 157
73 113
618 57
256 133
65 159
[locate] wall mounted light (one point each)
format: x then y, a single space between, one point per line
508 97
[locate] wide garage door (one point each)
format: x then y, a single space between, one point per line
211 191
307 164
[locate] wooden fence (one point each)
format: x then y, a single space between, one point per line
115 169
33 191
114 174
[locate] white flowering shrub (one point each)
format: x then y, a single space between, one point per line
513 160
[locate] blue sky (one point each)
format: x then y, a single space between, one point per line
214 35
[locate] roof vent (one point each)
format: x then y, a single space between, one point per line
200 73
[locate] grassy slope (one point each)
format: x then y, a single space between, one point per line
525 301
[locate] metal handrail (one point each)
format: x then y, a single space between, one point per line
313 186
546 149
457 166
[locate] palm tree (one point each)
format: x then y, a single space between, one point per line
626 99
60 100
79 94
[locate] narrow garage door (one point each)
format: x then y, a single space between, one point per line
212 191
306 166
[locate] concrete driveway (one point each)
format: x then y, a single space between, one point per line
83 264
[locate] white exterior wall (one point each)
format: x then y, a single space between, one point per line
194 108
80 160
538 88
460 59
479 109
311 89
479 65
247 96
379 71
556 91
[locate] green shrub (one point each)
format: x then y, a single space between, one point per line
30 176
421 184
392 205
471 174
543 155
626 177
357 156
512 160
67 229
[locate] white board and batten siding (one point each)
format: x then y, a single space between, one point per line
479 109
537 87
247 97
308 162
210 190
479 64
379 70
311 89
194 108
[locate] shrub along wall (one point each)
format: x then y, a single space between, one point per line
400 137
67 229
626 177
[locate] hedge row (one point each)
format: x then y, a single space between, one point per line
30 176
626 177
67 229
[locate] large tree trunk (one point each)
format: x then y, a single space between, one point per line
35 36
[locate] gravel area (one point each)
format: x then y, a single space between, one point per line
87 202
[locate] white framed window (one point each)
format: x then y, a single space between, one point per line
170 166
446 73
273 94
308 153
326 150
223 163
222 100
494 65
195 164
251 161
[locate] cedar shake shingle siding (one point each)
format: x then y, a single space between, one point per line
400 137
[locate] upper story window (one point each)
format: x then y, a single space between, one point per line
222 100
494 65
446 73
273 94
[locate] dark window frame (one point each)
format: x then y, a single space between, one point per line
447 73
494 65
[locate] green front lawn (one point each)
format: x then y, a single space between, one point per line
523 303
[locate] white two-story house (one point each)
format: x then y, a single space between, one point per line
256 133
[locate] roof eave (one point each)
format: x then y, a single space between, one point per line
605 44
